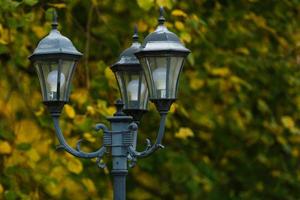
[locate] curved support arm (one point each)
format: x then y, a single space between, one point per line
76 152
157 145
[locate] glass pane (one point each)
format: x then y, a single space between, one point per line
132 84
39 71
48 72
133 89
143 93
158 67
175 67
67 69
148 75
122 86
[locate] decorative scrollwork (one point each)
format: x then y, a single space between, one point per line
132 160
101 127
149 147
77 151
99 162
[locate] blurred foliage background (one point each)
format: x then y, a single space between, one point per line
233 133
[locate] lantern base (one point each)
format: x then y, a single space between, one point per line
55 107
163 105
136 114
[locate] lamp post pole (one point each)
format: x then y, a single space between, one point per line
143 71
120 141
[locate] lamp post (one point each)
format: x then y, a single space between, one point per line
161 56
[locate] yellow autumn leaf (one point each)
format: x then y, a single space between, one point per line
165 3
179 25
243 50
70 111
196 84
287 122
4 35
16 158
295 139
26 131
53 188
5 147
184 133
74 165
40 111
186 37
58 5
173 107
275 173
90 110
74 190
89 137
222 71
89 184
295 152
58 173
281 140
179 13
109 74
39 31
43 146
258 20
111 110
32 157
142 26
1 189
80 95
260 186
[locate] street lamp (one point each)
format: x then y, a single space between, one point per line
55 60
161 56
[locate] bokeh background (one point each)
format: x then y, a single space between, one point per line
233 133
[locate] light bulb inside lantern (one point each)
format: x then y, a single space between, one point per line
159 77
133 89
52 81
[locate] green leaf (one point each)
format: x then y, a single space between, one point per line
145 4
31 2
24 146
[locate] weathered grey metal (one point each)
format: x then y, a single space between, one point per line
127 57
120 138
128 63
54 45
161 41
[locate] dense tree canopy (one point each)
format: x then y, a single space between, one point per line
232 134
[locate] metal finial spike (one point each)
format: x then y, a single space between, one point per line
161 19
135 36
119 104
54 20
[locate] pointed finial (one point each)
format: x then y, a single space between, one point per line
161 19
119 105
54 20
135 36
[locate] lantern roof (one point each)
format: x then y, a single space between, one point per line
54 45
127 57
162 40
